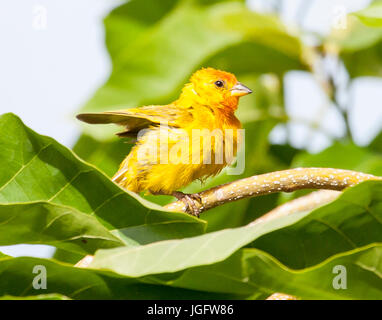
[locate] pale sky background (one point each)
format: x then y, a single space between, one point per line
46 75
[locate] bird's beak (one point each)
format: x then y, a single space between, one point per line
239 90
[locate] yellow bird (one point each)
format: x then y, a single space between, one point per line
194 137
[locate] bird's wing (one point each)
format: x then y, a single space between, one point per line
139 118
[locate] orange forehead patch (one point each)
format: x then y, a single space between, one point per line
210 74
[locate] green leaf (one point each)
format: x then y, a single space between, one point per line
132 20
52 296
249 273
154 56
253 273
177 255
372 15
3 255
106 155
40 169
67 256
16 279
306 231
46 223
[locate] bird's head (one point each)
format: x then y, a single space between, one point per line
216 88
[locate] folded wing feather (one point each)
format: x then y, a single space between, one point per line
138 118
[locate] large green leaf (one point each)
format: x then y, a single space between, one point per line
257 275
40 169
16 278
372 15
56 225
153 56
130 21
249 273
106 155
300 242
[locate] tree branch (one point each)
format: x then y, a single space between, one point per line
279 181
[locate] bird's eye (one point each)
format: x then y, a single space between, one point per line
219 84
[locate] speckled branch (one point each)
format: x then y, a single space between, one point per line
279 181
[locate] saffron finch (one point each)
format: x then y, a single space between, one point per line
206 104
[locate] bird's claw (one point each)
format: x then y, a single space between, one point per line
189 200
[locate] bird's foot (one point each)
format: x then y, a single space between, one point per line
189 200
